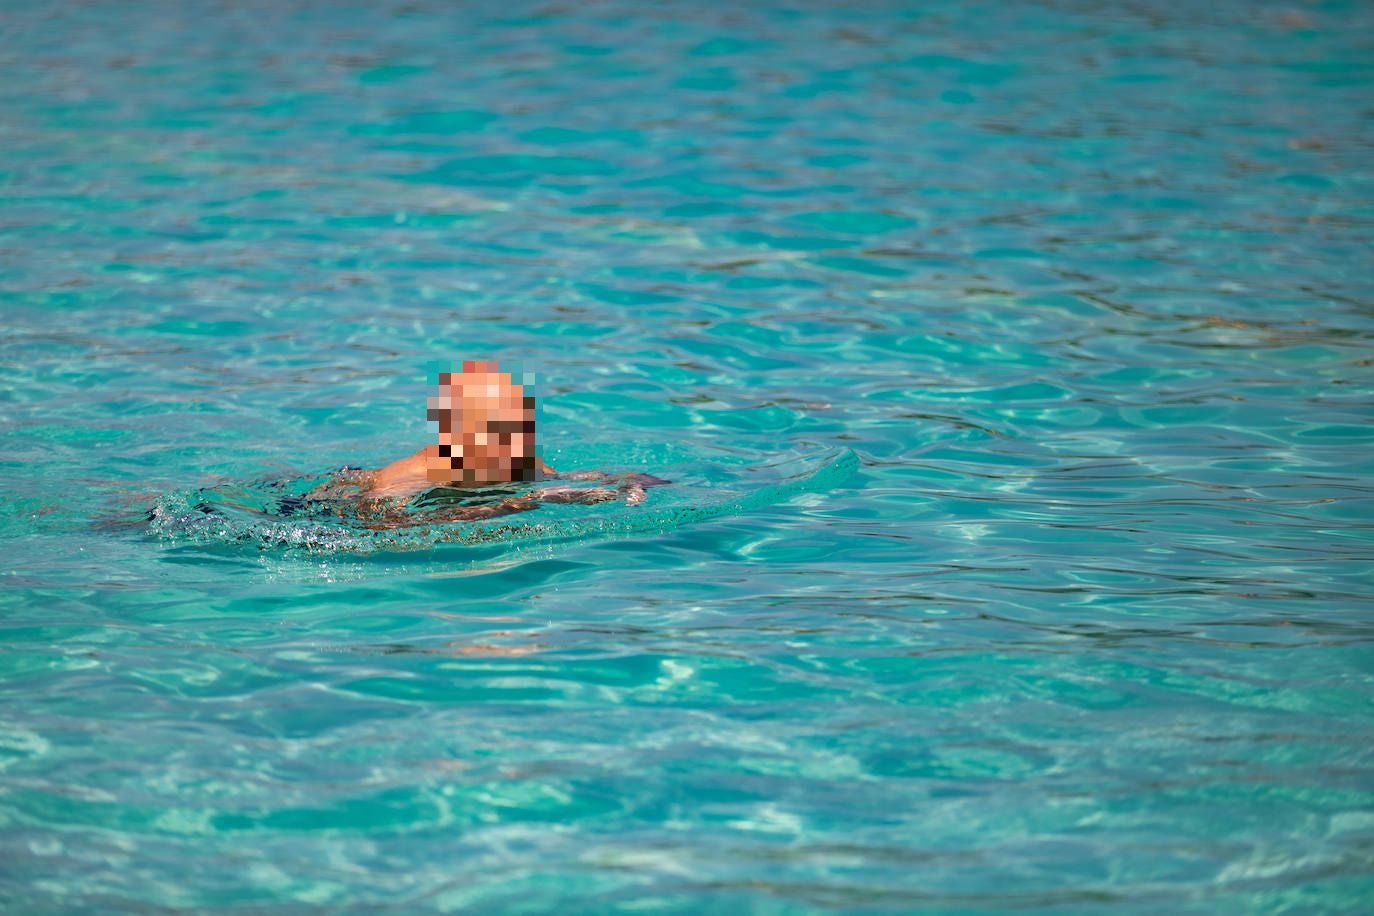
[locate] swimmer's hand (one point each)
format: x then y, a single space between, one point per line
634 485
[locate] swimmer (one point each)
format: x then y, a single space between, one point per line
486 438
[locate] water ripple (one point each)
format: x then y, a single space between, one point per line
1013 373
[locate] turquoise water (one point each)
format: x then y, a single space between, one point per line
1011 364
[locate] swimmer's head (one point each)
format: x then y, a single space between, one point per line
486 427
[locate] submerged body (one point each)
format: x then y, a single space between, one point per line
396 496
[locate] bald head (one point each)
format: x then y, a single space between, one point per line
486 427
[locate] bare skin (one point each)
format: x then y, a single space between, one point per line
486 437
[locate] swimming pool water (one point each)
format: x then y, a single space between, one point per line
1011 362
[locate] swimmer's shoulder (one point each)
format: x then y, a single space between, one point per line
346 483
400 479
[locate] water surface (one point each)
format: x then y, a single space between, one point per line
1011 364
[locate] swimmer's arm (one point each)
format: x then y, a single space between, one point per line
577 475
643 480
629 486
476 513
394 516
573 495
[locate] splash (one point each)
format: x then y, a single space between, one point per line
260 514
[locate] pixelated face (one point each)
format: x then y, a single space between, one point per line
486 427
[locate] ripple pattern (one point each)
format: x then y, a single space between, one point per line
1012 364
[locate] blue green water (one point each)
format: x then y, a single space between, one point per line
1011 363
